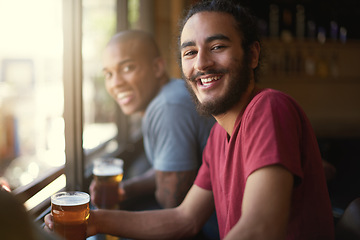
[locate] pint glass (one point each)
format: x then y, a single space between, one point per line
108 173
70 212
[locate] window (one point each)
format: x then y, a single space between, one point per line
99 109
32 125
31 90
55 114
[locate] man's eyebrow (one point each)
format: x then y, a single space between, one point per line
217 37
208 40
120 63
187 44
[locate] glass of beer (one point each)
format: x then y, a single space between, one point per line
70 212
108 173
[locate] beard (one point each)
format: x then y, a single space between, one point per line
239 82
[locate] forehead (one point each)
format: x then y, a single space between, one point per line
202 25
124 49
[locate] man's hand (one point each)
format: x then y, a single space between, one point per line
96 193
90 230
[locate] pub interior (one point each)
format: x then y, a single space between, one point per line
56 117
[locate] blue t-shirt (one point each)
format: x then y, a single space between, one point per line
174 133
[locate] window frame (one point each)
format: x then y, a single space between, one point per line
77 161
72 76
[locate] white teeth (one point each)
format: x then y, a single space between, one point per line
209 80
123 95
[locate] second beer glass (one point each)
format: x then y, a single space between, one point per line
108 173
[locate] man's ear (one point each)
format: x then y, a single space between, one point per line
255 54
159 66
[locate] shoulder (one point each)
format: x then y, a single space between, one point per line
272 110
172 93
271 100
174 90
173 106
271 95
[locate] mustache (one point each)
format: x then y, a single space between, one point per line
213 71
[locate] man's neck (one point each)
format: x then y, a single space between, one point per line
164 79
228 119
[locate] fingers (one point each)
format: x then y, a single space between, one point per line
121 194
92 186
47 229
49 223
91 226
92 190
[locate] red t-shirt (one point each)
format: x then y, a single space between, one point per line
273 129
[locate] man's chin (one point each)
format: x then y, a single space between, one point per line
206 109
127 111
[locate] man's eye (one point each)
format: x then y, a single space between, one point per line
189 53
107 75
217 47
128 68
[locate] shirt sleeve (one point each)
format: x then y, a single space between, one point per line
203 178
209 160
272 134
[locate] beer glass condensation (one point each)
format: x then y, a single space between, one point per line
70 212
108 173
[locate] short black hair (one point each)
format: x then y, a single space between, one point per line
247 23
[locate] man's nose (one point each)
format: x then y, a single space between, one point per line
203 61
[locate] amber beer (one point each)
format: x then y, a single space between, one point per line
70 211
108 173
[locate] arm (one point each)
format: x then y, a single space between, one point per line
266 205
173 143
138 186
172 187
174 223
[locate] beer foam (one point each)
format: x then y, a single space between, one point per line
70 198
107 170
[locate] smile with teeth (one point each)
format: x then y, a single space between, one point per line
124 97
208 81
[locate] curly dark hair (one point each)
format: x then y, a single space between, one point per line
247 24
